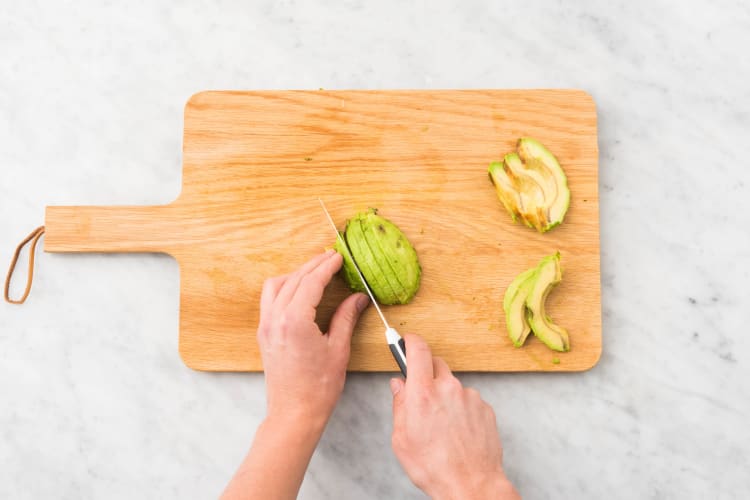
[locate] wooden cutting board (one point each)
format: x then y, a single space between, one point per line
254 164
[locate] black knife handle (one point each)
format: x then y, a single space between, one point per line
399 354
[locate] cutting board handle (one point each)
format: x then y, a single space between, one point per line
108 229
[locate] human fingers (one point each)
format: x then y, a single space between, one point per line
397 390
271 288
419 360
310 290
290 286
440 368
345 319
473 396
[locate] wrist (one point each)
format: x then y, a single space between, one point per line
301 423
490 486
505 489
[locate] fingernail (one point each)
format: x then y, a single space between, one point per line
362 302
395 386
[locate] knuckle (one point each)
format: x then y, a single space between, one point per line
262 332
347 315
425 396
490 413
472 394
454 384
450 385
284 322
269 284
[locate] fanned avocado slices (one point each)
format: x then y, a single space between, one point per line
531 185
385 257
524 305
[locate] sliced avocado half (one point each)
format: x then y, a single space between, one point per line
383 254
393 253
367 264
381 260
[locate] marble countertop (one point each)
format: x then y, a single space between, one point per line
95 400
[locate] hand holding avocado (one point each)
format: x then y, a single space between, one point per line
305 372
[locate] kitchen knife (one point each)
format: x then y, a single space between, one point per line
395 341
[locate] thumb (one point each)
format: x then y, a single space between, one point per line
396 385
397 389
346 317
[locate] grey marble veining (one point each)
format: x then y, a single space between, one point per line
95 400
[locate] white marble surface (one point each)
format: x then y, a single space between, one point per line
95 402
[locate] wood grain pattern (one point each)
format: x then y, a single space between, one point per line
255 162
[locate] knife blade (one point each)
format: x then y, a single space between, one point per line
395 342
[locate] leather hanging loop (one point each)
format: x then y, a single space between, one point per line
34 239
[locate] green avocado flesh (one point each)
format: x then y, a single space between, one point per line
531 185
385 257
347 269
505 187
524 305
365 260
514 305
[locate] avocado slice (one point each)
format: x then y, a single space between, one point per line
514 305
548 274
537 158
505 188
365 259
347 269
530 191
393 253
531 185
